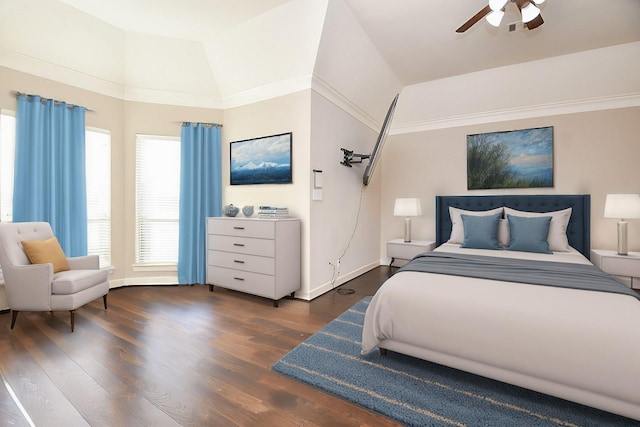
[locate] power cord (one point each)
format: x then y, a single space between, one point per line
336 266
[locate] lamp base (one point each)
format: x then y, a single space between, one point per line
622 238
407 229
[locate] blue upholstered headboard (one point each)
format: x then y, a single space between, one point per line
578 231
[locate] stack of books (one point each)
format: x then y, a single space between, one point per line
273 212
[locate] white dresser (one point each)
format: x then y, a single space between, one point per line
257 256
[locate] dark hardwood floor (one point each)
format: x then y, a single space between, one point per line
170 356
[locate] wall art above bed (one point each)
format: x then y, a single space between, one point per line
510 159
264 160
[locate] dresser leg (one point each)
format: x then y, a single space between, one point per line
391 263
275 302
210 288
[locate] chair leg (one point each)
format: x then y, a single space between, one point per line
73 317
104 299
14 316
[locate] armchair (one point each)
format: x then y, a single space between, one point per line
35 287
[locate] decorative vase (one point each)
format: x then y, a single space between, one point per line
247 211
230 210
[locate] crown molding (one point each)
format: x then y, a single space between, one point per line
552 109
48 70
325 89
57 73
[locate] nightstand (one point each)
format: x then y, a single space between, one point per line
398 248
618 265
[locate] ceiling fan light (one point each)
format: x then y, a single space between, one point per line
495 17
538 1
497 4
529 13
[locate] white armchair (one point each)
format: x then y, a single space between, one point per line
35 287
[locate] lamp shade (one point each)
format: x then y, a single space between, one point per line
407 207
622 206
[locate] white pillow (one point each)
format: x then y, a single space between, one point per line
457 229
503 232
557 237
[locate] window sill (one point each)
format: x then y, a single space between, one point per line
155 267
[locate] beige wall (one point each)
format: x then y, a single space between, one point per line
594 153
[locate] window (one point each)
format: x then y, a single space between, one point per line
98 175
7 156
157 199
98 164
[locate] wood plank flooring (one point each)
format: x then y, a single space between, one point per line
172 356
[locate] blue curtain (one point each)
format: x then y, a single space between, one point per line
200 197
49 177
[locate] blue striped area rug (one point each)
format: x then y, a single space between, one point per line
419 393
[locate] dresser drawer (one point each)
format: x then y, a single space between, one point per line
242 227
242 245
245 281
621 266
237 261
398 248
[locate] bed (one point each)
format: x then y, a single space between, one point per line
579 343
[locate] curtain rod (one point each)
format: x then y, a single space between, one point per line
218 125
17 94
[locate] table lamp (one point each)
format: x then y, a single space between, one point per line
407 207
622 206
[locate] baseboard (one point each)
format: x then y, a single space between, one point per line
326 287
143 281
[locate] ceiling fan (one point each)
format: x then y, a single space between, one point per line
494 12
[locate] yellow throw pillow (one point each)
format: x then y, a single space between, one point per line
46 252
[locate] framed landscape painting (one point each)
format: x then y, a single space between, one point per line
264 160
510 159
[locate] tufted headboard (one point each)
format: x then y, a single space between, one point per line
578 231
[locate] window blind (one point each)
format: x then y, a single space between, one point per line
157 199
98 175
7 157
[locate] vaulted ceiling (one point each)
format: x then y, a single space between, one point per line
220 52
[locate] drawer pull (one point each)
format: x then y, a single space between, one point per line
238 228
238 261
238 244
239 278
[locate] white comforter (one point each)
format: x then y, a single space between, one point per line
579 345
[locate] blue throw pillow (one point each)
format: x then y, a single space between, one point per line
481 232
529 234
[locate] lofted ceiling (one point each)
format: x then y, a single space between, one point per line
231 47
419 41
417 38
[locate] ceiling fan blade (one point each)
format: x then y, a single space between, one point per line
535 23
475 18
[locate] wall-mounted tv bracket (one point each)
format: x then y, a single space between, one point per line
349 157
